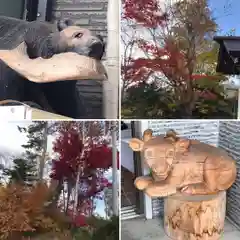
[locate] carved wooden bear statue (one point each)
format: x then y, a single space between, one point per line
182 165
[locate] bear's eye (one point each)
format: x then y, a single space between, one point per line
78 35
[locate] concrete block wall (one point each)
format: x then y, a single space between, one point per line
229 139
91 14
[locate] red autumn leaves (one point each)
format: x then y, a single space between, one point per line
162 55
100 156
94 157
70 147
145 12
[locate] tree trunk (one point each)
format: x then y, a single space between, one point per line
76 191
43 157
55 188
195 217
69 192
184 111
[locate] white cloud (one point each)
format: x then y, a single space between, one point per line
10 137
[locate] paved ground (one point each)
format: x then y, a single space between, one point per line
140 229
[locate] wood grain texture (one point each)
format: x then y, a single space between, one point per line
182 165
199 217
91 14
204 131
56 68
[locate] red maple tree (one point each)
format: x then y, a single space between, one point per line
88 153
168 44
144 12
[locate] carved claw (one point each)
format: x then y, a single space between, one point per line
160 190
143 182
197 189
186 190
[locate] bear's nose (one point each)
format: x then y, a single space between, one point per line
96 50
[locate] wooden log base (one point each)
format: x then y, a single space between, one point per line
198 217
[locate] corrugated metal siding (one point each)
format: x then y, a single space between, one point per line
205 131
91 14
229 139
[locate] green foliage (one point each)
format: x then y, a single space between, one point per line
148 101
36 145
216 109
150 172
23 172
206 61
82 233
35 135
107 229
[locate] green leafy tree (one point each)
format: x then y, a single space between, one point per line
36 146
100 228
23 172
29 168
147 100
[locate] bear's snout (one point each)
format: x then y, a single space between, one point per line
96 50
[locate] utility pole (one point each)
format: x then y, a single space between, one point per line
115 184
111 86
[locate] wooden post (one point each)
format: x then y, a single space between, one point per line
111 86
195 217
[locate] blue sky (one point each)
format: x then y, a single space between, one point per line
227 14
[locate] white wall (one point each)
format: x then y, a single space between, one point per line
127 155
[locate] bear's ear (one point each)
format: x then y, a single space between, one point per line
182 145
136 144
64 23
171 135
147 135
100 37
104 45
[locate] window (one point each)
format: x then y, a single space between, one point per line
12 8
